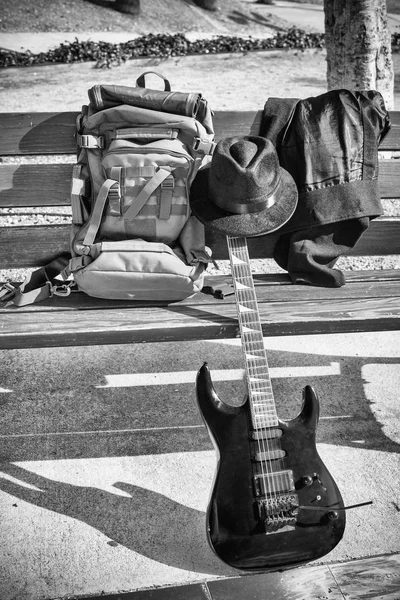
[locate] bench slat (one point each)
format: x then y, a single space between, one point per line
392 140
35 185
272 287
185 323
38 245
37 133
53 133
50 184
389 178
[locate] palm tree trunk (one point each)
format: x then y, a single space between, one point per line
358 47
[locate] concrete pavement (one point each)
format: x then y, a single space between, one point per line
107 467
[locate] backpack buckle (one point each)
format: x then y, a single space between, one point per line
203 146
62 290
90 141
7 291
168 183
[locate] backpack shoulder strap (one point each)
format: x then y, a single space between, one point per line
39 285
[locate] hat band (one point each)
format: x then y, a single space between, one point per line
242 208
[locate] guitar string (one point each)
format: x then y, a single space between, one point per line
243 271
277 478
269 447
260 419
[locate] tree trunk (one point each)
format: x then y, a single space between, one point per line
207 4
131 7
358 47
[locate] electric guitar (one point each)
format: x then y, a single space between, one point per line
273 505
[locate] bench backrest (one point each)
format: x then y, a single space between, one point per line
32 184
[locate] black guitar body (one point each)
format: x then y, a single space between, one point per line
235 530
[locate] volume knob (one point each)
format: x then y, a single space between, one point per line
306 480
332 515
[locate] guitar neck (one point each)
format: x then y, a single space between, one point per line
261 398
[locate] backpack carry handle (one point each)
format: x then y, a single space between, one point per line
141 83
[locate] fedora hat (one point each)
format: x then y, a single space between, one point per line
243 191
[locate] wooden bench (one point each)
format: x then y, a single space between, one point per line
370 300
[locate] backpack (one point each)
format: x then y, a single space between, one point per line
133 235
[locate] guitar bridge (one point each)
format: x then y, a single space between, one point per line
278 511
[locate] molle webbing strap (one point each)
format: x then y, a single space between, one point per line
133 190
167 190
153 210
146 133
97 214
143 171
78 189
145 193
114 194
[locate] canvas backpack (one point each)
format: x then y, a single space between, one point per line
139 150
133 235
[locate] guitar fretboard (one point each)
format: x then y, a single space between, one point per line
262 404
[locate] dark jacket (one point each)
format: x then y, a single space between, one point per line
329 144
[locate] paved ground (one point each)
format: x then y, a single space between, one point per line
107 466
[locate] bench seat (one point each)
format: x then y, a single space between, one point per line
370 300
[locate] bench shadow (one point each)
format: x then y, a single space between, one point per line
29 177
50 133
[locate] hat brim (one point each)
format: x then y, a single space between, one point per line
246 225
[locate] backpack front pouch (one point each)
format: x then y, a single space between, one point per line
139 270
166 210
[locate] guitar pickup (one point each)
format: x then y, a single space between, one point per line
268 455
268 484
265 434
